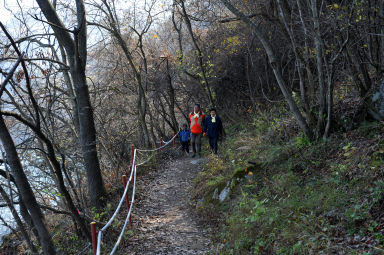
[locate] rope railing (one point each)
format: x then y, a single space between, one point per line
162 146
128 215
156 149
147 160
132 180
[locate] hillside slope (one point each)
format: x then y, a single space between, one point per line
288 195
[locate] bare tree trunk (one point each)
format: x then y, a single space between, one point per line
71 92
25 189
330 86
76 50
36 127
299 62
320 72
57 171
199 54
142 109
141 100
329 102
172 98
276 70
152 127
27 218
311 83
381 47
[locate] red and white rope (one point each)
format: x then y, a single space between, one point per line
128 215
131 177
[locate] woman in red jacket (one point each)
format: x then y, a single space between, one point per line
196 120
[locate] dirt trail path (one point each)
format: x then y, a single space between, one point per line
166 224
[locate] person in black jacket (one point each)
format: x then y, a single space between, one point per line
214 128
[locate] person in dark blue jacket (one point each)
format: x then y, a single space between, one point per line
185 136
214 128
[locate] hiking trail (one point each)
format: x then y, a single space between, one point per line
164 220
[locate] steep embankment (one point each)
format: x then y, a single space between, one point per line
164 221
289 195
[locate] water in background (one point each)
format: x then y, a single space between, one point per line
6 214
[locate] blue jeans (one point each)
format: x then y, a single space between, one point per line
213 143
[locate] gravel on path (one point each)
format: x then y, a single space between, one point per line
164 220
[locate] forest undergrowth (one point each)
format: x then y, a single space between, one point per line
290 195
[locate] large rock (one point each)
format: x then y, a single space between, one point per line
226 191
244 148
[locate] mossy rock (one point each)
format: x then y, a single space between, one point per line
219 186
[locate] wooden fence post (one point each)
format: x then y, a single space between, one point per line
94 237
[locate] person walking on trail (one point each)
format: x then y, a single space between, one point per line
196 119
185 136
214 128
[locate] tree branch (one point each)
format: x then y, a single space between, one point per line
62 34
10 74
5 175
237 19
26 74
39 59
99 25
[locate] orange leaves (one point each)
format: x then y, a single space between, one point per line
45 72
20 76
